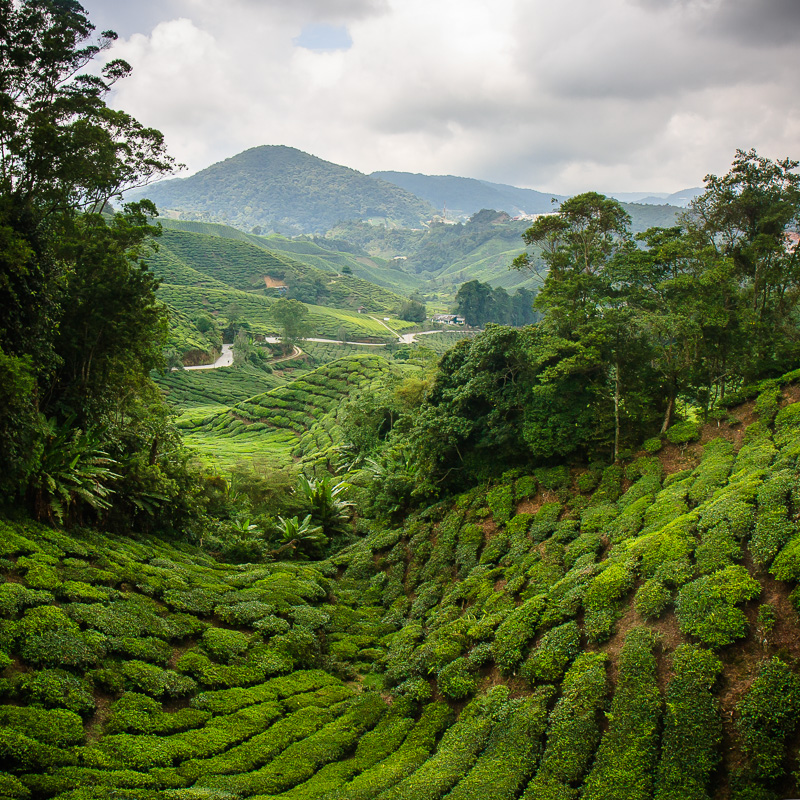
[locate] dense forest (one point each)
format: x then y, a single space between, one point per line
547 560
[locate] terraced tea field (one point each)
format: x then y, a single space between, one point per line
559 634
215 387
288 422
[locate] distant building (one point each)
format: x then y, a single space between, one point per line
448 319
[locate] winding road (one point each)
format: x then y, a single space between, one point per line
226 356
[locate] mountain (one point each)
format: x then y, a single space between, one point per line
281 189
464 196
680 199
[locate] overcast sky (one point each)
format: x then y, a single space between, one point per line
557 95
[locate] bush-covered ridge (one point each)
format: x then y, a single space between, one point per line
562 633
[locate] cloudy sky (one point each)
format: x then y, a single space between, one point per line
558 95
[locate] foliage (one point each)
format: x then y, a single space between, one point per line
692 729
706 607
768 716
625 760
479 303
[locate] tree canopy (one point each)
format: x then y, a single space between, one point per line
85 430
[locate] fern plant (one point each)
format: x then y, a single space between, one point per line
73 470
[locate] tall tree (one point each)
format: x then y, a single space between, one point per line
62 151
745 216
79 325
291 315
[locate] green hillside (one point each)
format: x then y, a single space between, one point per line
292 421
628 631
324 254
281 189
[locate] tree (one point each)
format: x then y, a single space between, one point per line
242 347
80 328
474 302
745 216
62 151
413 311
111 326
291 316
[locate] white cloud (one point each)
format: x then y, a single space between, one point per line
620 95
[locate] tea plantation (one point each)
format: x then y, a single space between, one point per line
623 632
295 419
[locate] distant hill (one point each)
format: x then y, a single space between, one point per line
680 199
324 254
281 189
447 255
464 196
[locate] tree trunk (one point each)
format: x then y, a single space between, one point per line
668 415
616 411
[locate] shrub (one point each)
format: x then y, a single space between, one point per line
56 688
706 607
652 445
625 760
574 729
692 727
225 645
455 755
501 502
610 486
515 632
587 481
525 487
511 752
544 523
652 599
455 680
157 682
773 526
298 761
718 458
602 599
138 713
470 539
156 651
768 716
551 657
766 407
65 648
718 549
683 432
59 727
786 566
409 756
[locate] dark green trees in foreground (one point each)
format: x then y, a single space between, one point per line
80 327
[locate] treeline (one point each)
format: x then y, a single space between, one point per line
479 303
635 331
85 434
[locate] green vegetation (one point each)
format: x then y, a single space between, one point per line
281 189
554 563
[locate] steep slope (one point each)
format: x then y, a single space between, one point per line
626 632
277 188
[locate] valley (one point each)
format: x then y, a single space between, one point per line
271 526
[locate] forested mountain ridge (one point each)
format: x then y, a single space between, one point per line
281 189
462 197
